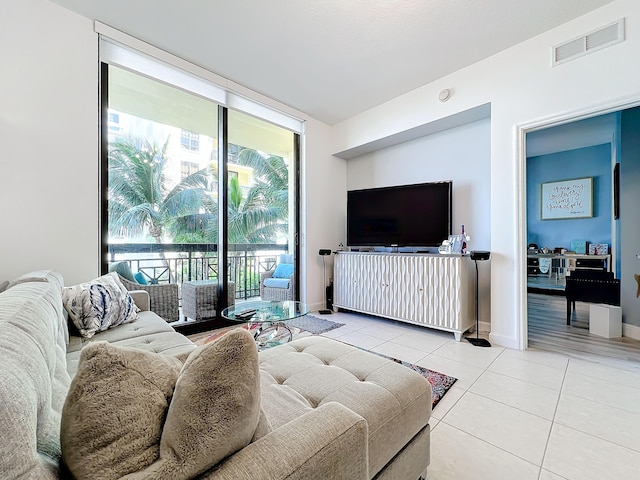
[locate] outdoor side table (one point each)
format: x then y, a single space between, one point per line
200 298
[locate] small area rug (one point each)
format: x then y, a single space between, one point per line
440 383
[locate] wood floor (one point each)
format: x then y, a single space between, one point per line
548 330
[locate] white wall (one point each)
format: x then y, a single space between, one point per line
461 154
570 136
49 136
49 166
523 90
323 205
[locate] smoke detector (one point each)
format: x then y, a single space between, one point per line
444 95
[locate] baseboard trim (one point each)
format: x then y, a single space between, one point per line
509 342
631 331
485 327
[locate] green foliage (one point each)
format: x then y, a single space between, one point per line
139 194
263 214
141 200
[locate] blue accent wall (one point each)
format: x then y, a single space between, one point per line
582 162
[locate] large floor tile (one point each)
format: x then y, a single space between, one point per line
353 320
578 456
538 374
433 422
517 432
384 332
531 398
466 353
547 475
466 374
447 402
336 332
594 418
626 373
424 341
550 359
361 340
456 455
625 397
400 352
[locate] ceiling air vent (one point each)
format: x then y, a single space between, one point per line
596 40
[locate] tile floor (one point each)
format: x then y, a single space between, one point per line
516 415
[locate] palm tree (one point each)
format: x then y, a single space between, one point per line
260 216
263 214
140 198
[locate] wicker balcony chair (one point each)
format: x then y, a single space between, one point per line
163 298
279 286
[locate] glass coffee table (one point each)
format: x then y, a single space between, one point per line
267 320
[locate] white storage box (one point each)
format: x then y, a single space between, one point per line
605 320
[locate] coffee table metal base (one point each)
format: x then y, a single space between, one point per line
269 334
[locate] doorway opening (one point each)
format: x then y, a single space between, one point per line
593 230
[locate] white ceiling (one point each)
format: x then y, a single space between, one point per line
333 59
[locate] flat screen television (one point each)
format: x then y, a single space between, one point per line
417 215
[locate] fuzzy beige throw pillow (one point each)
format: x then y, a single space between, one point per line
214 411
113 414
141 415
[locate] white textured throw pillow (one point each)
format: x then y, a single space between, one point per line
98 305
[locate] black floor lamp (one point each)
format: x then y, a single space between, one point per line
323 253
475 256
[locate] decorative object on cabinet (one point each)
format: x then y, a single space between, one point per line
544 265
598 249
455 243
579 246
567 199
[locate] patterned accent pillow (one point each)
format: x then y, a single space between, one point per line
98 305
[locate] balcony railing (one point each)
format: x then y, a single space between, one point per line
182 262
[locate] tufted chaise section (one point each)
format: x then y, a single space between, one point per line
312 371
146 333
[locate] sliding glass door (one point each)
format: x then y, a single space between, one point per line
194 195
262 208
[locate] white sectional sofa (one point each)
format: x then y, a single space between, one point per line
333 411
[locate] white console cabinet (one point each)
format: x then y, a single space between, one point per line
435 291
